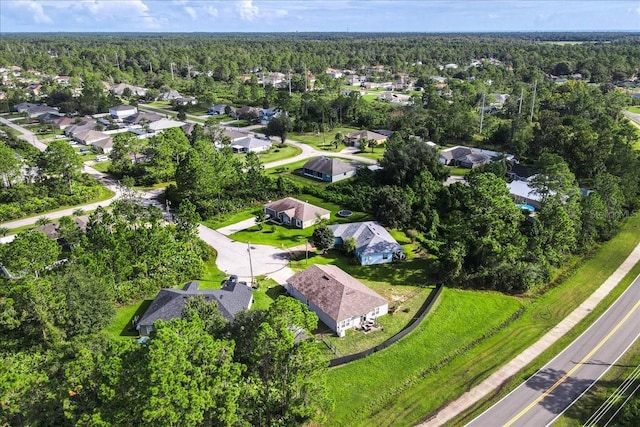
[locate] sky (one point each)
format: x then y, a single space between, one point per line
317 15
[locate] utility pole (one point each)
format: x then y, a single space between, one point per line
289 82
482 113
533 100
305 77
188 68
150 67
117 61
306 251
250 264
171 65
521 97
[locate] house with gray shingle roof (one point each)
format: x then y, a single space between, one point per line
340 301
355 138
374 244
328 169
294 213
232 298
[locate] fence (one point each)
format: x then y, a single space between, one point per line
420 315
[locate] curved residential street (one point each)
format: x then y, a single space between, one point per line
547 394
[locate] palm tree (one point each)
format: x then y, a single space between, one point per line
78 212
4 231
43 220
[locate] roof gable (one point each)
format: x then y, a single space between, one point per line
329 166
301 210
370 236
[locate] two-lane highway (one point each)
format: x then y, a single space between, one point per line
549 392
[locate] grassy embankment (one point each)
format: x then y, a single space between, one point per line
435 372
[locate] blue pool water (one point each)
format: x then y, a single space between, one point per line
526 206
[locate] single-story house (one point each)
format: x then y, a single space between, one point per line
51 229
64 122
122 111
104 145
395 98
247 112
154 128
99 142
218 110
41 110
135 90
24 106
169 95
232 298
355 138
374 244
83 125
340 301
522 192
250 143
142 117
468 157
294 213
185 101
266 114
519 172
328 169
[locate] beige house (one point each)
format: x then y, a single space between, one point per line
294 213
356 137
340 301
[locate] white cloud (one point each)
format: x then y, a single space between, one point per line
191 12
211 11
248 11
33 9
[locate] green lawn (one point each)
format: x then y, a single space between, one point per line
366 389
279 153
280 236
322 140
415 400
289 171
378 153
102 166
229 219
268 291
459 171
633 109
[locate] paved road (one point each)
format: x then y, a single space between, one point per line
468 399
548 393
309 151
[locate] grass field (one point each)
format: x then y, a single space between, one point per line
410 398
633 109
378 153
459 171
366 387
289 171
229 219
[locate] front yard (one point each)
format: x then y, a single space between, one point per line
322 140
280 236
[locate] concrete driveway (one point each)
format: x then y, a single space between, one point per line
238 226
233 257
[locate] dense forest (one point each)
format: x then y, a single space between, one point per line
199 370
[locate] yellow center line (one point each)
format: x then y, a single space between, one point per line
572 370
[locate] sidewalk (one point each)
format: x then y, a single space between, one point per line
471 397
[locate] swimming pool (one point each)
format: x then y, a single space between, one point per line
526 207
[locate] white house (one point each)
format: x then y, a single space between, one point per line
340 301
122 111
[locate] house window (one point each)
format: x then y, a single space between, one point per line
385 256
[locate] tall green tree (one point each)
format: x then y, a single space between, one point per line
60 160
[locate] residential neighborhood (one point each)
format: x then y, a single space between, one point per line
315 228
